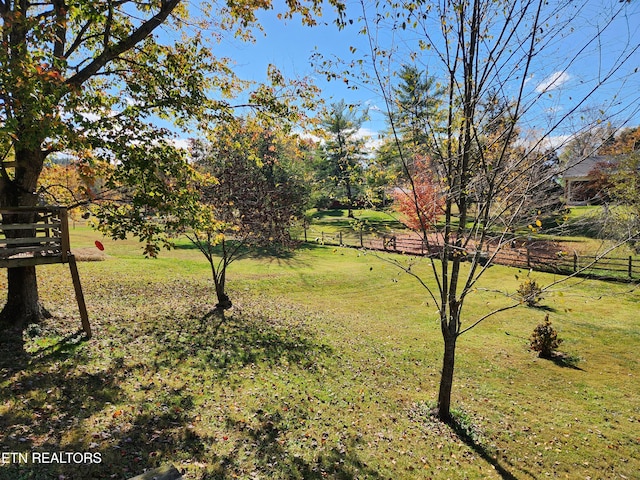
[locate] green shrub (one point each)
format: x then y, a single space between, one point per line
530 292
544 339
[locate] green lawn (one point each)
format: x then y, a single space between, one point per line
325 368
337 220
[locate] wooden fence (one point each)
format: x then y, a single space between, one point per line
525 255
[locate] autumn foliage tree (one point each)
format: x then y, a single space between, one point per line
624 142
91 77
421 203
251 192
61 184
60 66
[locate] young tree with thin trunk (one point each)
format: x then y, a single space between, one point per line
254 193
421 205
500 65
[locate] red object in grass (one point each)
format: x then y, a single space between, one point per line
99 246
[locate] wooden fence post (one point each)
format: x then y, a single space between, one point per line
630 266
575 262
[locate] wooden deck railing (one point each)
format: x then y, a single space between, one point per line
31 236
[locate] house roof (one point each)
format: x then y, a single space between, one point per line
582 167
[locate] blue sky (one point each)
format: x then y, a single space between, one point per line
289 45
553 85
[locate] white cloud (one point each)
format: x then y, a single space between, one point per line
555 142
371 106
553 81
535 142
309 136
133 103
372 140
365 133
181 143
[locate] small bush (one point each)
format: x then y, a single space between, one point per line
544 339
530 292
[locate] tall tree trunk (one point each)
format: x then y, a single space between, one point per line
446 379
23 303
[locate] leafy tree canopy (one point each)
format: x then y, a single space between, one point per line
91 78
341 155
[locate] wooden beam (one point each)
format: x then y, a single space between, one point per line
30 226
45 209
33 252
64 234
29 261
82 307
10 242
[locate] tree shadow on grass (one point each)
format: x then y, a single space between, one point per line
330 213
564 360
461 428
285 255
271 453
60 349
12 350
163 426
131 396
45 401
466 435
14 357
127 442
245 251
335 217
589 225
545 308
222 344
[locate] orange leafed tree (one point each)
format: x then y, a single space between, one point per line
420 205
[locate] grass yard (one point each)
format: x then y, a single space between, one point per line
379 221
326 367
